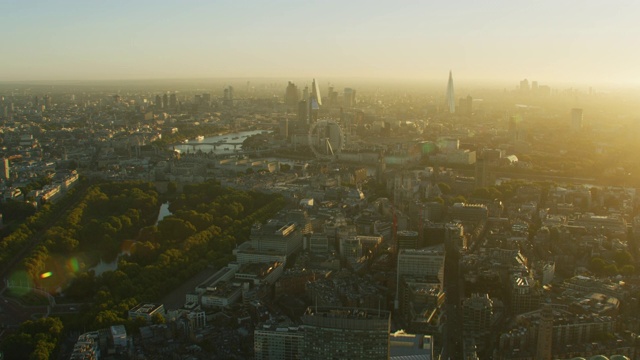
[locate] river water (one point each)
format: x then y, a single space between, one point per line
225 143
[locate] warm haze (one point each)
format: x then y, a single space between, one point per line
556 42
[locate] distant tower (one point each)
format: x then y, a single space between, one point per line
451 98
228 96
576 120
291 95
165 100
349 98
545 334
315 100
302 113
159 102
315 92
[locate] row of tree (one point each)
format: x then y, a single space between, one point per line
96 226
34 340
29 230
207 222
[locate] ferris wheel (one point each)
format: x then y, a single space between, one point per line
326 139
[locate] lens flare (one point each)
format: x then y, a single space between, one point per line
46 275
73 265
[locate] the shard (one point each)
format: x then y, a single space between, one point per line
315 92
451 98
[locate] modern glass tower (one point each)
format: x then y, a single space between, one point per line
451 98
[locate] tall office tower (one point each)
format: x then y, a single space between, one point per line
332 97
159 104
4 169
451 98
302 114
534 87
206 97
482 172
545 334
48 101
284 128
466 105
478 314
576 119
228 96
315 100
173 101
523 295
165 100
305 93
348 98
291 95
524 86
345 333
315 92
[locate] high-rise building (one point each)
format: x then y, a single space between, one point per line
348 98
524 86
302 114
165 100
291 95
48 101
173 101
466 105
284 128
523 295
228 96
576 119
315 100
346 333
451 97
478 314
159 104
545 334
315 92
332 97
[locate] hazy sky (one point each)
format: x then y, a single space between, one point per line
550 41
